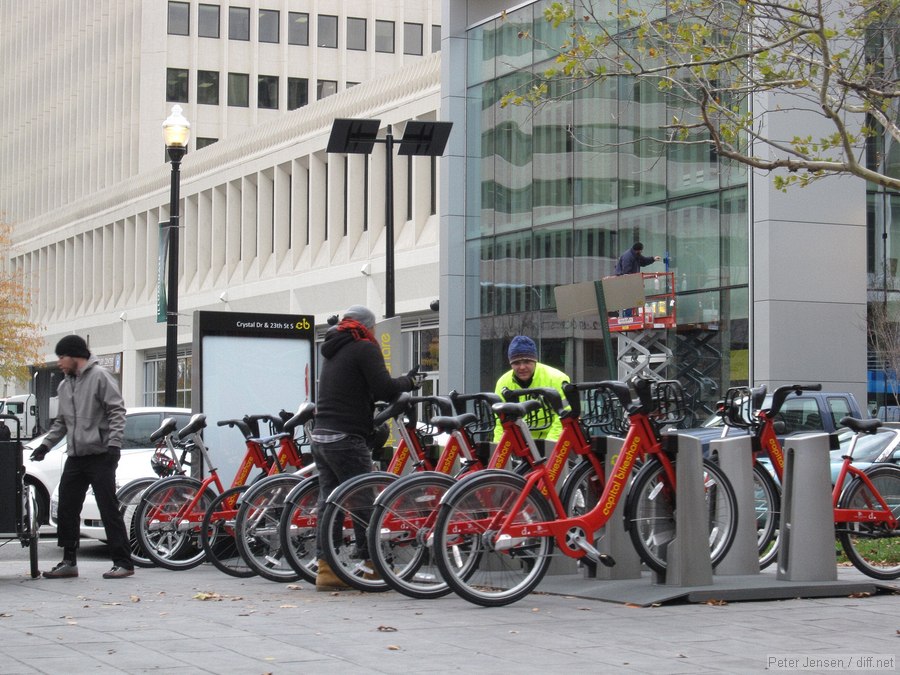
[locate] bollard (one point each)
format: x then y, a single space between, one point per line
687 557
614 539
735 457
807 549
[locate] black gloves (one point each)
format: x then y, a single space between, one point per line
416 377
39 453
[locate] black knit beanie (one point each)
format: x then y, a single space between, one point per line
73 345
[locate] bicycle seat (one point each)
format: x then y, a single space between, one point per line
861 426
168 426
396 407
197 423
304 414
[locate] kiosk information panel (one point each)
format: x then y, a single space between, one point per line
248 364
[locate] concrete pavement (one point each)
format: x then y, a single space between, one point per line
202 621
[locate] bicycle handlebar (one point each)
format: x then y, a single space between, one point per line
780 394
547 394
275 421
617 388
240 424
459 400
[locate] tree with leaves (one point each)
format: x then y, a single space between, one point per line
736 73
21 340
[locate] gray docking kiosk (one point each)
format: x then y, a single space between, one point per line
806 563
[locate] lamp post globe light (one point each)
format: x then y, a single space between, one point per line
176 134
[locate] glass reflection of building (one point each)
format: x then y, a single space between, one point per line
557 192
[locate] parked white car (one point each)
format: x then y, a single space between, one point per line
136 452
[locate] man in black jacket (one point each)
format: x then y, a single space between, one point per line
352 379
633 260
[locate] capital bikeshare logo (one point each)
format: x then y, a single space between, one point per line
776 453
618 478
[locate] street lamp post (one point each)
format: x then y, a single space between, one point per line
420 138
176 133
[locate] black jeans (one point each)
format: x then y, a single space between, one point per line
99 473
337 462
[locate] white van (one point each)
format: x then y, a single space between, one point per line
24 409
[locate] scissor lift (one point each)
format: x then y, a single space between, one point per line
641 345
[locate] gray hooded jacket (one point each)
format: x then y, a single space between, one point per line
91 412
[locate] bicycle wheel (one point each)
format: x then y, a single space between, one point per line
217 534
401 523
581 490
650 513
767 503
346 518
129 498
257 527
169 533
873 548
297 528
32 528
473 562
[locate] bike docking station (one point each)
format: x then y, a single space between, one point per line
806 565
614 539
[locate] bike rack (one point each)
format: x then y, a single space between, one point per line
687 555
615 540
735 457
806 550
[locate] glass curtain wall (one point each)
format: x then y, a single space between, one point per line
556 192
883 252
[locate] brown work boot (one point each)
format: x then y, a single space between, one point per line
327 580
370 574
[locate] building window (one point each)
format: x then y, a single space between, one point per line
351 84
155 380
298 92
412 39
203 142
208 87
325 88
327 31
298 28
238 23
356 33
267 92
268 25
384 36
239 90
177 85
208 21
435 39
179 18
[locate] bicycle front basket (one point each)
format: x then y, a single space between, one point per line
668 400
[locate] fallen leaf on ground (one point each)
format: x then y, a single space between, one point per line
207 596
387 629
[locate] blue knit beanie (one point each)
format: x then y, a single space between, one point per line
522 347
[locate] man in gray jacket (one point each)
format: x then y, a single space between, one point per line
92 416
